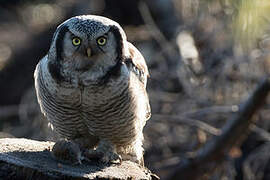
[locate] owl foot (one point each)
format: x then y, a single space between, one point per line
103 157
105 153
92 154
111 158
67 152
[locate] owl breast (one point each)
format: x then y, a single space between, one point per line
110 111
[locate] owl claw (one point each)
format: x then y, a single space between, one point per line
111 158
104 158
93 154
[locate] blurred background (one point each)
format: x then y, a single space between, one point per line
205 57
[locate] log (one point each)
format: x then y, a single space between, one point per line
29 159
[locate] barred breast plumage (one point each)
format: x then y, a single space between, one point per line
94 93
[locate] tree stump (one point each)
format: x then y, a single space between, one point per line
29 159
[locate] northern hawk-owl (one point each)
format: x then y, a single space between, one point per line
91 86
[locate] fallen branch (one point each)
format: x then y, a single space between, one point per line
233 133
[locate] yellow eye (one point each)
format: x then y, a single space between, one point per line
76 41
101 41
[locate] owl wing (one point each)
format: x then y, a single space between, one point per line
139 67
138 64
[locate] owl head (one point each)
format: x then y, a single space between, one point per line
86 43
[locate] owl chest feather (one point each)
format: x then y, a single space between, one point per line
107 111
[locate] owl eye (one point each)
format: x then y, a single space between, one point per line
76 41
101 41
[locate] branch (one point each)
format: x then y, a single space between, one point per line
233 133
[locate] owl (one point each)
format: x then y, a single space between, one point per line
91 86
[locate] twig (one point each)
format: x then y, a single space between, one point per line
193 122
234 131
261 132
214 109
154 30
173 119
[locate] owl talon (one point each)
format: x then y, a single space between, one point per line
104 158
67 152
111 158
93 154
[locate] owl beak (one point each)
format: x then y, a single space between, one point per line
88 52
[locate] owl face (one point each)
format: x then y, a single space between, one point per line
81 44
81 52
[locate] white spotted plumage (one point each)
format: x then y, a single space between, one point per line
98 101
